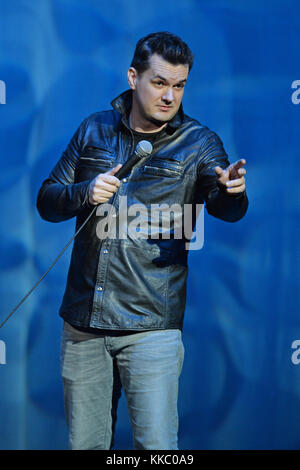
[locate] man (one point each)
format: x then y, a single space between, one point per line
124 301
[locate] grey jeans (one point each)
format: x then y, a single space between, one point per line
94 368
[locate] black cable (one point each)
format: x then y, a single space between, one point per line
143 150
50 267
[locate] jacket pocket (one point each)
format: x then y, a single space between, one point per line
161 167
95 162
92 162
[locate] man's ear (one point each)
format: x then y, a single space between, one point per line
132 75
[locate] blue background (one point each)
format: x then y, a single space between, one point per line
62 60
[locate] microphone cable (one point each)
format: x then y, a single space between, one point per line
143 149
50 267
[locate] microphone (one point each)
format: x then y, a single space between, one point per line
143 150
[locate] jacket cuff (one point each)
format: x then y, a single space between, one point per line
225 206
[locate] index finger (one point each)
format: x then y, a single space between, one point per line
239 163
234 168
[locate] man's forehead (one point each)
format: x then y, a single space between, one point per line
164 69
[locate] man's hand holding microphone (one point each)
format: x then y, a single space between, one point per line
103 186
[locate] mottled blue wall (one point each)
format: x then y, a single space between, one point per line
64 59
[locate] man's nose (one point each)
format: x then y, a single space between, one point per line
168 96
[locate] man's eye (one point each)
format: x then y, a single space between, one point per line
159 83
180 85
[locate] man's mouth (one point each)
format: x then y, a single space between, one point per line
164 108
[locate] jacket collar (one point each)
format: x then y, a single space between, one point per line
123 102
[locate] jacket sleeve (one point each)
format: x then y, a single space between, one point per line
59 198
219 203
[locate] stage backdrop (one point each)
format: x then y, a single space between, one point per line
62 60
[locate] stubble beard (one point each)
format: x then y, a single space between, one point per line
157 122
151 119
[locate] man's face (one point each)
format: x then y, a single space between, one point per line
158 91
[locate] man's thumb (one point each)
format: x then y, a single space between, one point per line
114 170
218 170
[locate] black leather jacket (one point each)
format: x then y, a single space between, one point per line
130 283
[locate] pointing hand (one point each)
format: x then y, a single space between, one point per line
232 177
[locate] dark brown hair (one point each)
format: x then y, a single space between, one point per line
169 46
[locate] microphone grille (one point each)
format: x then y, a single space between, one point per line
144 148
